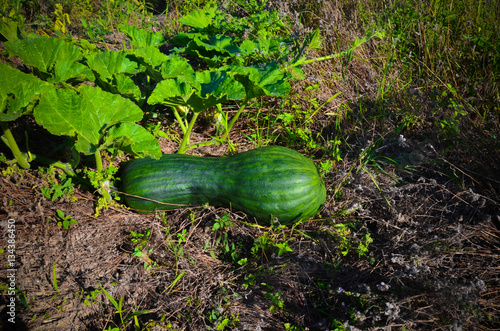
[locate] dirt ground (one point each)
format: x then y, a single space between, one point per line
433 263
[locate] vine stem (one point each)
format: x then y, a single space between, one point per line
11 142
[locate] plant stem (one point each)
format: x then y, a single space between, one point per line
98 161
224 135
66 167
233 120
104 186
11 143
185 139
206 143
179 119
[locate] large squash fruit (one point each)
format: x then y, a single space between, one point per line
264 182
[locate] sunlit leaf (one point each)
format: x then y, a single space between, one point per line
10 30
85 115
133 139
259 81
176 66
141 37
171 92
71 71
200 18
150 55
18 92
42 53
108 63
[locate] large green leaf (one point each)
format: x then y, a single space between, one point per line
220 85
201 18
108 63
18 92
214 50
171 92
209 89
42 53
260 81
150 56
140 37
133 139
70 71
85 115
10 30
176 66
151 59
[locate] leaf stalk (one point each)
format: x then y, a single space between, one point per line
11 143
187 134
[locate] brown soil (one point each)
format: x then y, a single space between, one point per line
433 263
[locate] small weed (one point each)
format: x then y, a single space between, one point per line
101 180
66 220
54 280
58 184
346 236
291 327
141 240
273 241
226 247
276 302
364 244
170 288
91 298
123 315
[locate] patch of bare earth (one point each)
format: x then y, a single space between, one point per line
434 260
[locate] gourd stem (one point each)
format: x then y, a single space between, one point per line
185 139
11 142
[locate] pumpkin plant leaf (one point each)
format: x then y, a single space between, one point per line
133 139
200 18
70 71
19 92
42 53
260 81
140 37
107 63
85 115
150 56
10 30
216 87
171 92
214 50
208 89
124 86
62 112
176 66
